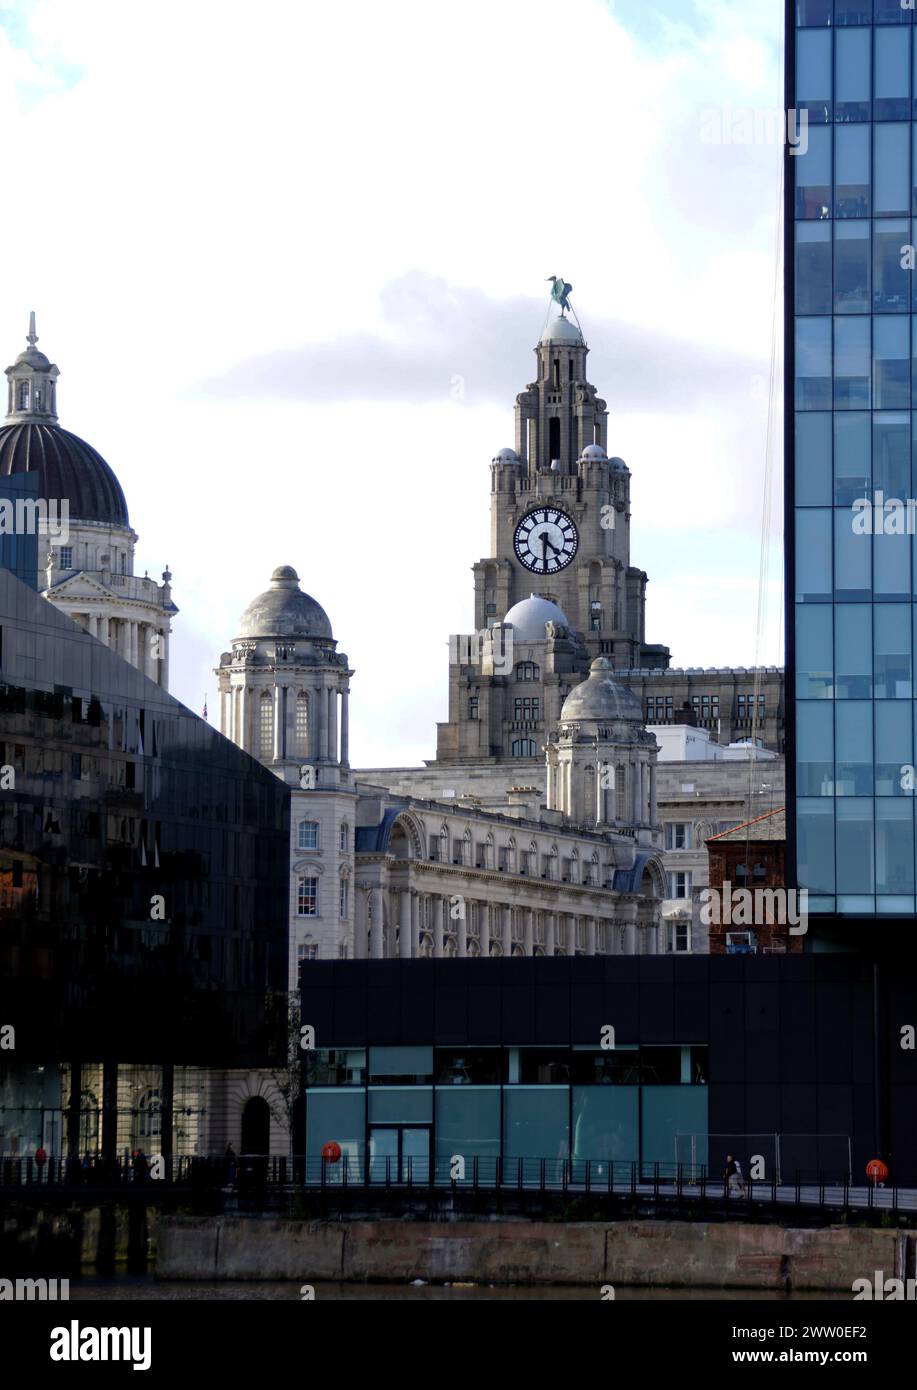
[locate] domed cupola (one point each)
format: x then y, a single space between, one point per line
283 610
529 617
600 699
32 441
601 767
284 686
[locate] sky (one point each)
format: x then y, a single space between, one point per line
291 259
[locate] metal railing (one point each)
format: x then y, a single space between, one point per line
251 1174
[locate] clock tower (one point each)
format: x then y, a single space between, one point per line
560 531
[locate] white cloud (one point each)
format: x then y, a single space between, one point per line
210 184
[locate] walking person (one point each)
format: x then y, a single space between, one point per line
732 1177
41 1158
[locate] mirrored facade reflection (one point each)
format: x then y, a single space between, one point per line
851 285
144 865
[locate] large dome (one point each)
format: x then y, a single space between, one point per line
529 617
284 610
67 467
601 699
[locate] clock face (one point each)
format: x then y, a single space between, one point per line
546 540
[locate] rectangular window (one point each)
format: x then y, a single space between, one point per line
679 835
307 897
344 896
679 885
66 557
473 707
308 834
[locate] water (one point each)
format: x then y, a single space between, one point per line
146 1287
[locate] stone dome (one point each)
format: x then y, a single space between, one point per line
506 456
562 330
592 452
617 465
528 618
601 699
284 610
67 467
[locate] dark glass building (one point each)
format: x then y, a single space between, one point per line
19 546
793 1058
851 392
144 882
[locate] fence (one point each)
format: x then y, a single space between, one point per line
252 1176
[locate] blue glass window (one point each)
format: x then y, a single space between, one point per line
891 182
854 838
852 75
815 651
853 650
813 74
813 553
852 469
851 174
852 255
851 364
853 751
815 843
892 638
814 747
813 267
891 347
813 459
891 281
813 175
892 76
813 364
894 744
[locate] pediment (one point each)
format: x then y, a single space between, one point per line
80 585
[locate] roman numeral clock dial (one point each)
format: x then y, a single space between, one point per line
546 540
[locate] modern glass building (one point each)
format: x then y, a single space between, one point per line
851 394
144 885
419 1063
19 547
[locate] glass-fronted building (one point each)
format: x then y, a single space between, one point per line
395 1111
144 884
420 1063
851 396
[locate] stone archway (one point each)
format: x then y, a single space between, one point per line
256 1126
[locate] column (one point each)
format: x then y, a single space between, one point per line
484 933
376 928
549 942
345 729
240 718
653 807
360 924
549 796
439 924
105 630
507 931
404 922
93 625
132 642
630 939
528 925
164 662
321 706
590 936
289 723
461 931
333 725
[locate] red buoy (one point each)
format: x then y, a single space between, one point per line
876 1170
331 1151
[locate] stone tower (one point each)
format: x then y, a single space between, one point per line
284 697
560 531
601 766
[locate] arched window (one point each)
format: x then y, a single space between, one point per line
308 834
489 851
23 395
266 725
344 844
466 847
302 723
524 748
443 845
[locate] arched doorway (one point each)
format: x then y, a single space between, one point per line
256 1126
